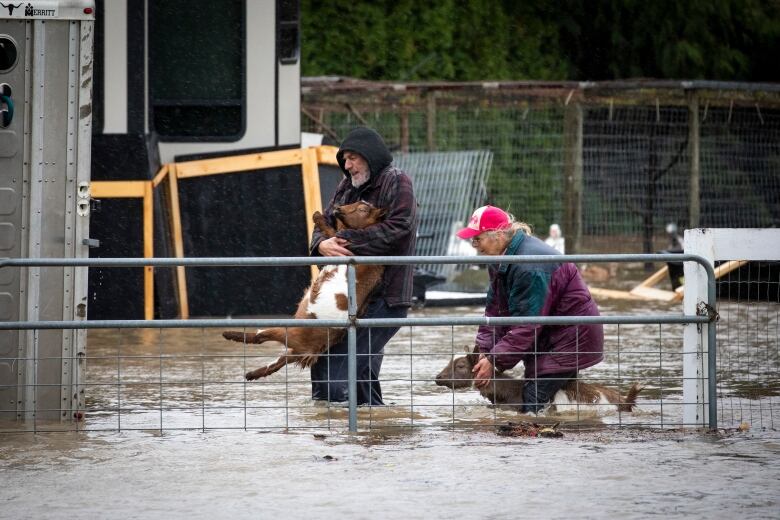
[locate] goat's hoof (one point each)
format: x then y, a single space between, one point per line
256 374
234 336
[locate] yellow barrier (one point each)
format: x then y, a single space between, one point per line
136 190
308 158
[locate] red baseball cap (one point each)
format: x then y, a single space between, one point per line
486 218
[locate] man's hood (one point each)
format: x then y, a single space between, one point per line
370 146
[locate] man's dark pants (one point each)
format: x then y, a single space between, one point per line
329 373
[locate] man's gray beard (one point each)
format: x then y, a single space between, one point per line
356 184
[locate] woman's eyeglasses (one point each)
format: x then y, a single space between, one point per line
481 238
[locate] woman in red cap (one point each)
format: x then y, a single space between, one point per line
552 354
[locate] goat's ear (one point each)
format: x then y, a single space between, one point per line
475 350
382 212
473 359
468 350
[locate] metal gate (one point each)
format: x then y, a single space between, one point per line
152 379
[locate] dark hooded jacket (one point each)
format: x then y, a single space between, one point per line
388 188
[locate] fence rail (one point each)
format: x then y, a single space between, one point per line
353 322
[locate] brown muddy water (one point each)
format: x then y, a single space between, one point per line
173 431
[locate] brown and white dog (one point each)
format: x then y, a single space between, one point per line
325 299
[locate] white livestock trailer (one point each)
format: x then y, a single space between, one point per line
45 134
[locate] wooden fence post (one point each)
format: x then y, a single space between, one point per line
694 135
572 176
431 120
404 130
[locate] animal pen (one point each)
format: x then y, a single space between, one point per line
179 374
611 162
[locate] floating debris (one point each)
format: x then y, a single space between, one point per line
526 429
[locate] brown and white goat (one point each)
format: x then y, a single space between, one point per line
325 299
505 390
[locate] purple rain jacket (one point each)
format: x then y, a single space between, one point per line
554 289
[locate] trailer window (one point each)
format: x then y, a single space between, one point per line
196 69
7 53
288 44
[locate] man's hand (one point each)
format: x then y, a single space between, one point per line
483 372
334 247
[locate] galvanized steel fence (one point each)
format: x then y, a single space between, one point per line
447 186
749 346
28 406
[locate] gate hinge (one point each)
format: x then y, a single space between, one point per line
705 309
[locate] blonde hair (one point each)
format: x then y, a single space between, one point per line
512 229
522 226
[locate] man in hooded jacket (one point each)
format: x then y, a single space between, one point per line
369 175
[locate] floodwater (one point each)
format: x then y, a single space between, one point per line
424 474
173 431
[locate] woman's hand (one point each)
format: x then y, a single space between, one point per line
483 372
334 247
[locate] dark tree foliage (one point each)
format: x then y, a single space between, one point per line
542 39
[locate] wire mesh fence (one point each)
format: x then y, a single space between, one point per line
182 374
191 379
447 185
612 162
749 347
